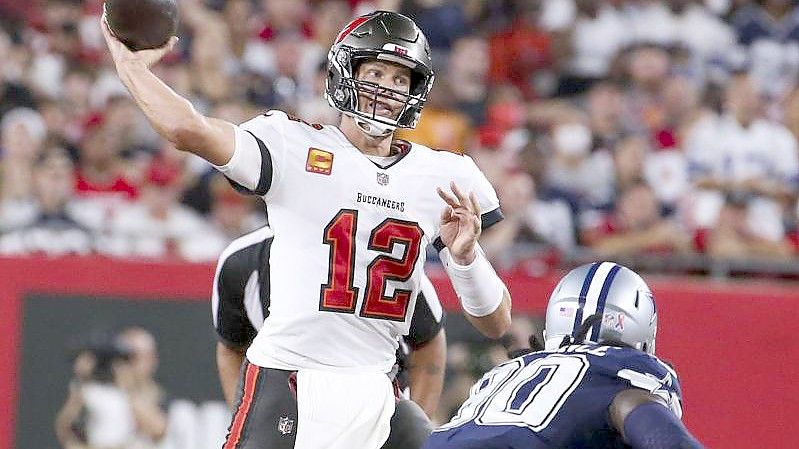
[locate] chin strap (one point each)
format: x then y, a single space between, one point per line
372 127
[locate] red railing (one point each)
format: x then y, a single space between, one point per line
733 343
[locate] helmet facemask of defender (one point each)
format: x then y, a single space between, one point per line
609 303
382 36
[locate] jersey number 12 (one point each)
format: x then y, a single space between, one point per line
340 295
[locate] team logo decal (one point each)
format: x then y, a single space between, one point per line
398 49
285 425
382 178
319 161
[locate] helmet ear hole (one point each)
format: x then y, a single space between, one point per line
417 79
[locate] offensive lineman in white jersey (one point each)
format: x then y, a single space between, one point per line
352 211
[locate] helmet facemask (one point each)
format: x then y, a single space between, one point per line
346 91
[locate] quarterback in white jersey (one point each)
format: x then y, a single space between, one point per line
348 250
352 210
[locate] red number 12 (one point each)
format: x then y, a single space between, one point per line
340 295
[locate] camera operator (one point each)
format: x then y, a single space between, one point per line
113 400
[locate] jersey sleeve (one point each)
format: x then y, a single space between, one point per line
232 325
655 376
490 212
486 196
428 316
258 154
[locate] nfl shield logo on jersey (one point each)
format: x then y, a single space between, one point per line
382 178
285 425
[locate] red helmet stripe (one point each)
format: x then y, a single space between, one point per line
348 29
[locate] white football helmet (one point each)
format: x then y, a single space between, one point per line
606 303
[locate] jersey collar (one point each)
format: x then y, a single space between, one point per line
403 147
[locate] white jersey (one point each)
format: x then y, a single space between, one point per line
345 263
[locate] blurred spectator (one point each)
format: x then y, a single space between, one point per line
636 227
466 74
312 106
101 170
441 125
97 412
665 170
605 107
733 237
241 22
442 21
681 109
232 214
579 176
741 152
648 69
148 400
46 223
769 30
650 22
529 221
522 53
705 35
22 133
328 18
57 122
628 162
587 97
210 50
593 41
14 92
290 18
113 400
158 225
76 89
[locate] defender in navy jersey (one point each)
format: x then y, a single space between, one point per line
597 384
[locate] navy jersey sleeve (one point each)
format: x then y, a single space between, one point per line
647 372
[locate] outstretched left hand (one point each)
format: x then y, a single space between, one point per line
460 224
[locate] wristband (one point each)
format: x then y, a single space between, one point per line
479 288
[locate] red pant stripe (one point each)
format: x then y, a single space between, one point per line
250 379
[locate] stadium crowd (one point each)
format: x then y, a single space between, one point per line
626 127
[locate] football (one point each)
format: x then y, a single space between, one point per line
142 24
